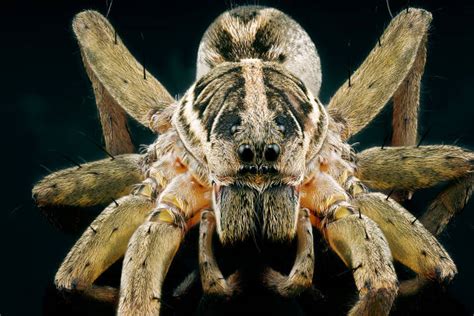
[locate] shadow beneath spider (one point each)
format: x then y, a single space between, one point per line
333 294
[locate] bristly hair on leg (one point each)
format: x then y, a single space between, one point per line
68 158
97 145
386 139
46 168
109 7
424 136
388 8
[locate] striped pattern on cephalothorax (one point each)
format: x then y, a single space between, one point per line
260 106
252 120
255 103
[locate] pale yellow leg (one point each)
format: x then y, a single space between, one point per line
153 246
149 255
438 215
212 280
447 204
103 243
406 102
363 248
412 168
384 71
301 275
409 241
92 184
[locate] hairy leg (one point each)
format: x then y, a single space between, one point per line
409 241
107 237
363 248
149 255
367 91
118 79
91 184
301 275
153 246
212 280
406 102
438 215
356 239
113 118
103 243
411 168
447 204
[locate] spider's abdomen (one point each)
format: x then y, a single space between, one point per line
254 32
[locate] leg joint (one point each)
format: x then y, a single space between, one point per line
354 186
169 215
339 210
148 188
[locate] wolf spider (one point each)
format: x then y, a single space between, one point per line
250 152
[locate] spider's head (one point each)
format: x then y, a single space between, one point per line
254 125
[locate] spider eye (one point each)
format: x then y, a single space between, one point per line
285 125
272 152
227 125
281 128
245 153
234 129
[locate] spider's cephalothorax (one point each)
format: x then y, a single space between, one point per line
249 149
252 125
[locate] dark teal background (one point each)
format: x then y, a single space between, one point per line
46 99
